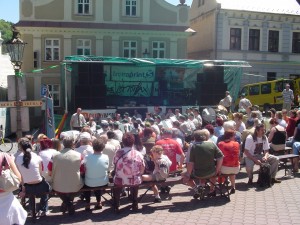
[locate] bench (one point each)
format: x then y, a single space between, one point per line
286 150
174 179
284 160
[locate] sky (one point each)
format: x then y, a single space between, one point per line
9 9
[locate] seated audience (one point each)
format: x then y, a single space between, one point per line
161 170
231 151
277 136
96 172
257 151
30 166
65 170
205 162
129 167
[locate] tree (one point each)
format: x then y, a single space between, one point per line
6 32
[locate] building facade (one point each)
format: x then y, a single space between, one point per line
55 29
264 33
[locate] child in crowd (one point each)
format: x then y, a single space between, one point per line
161 170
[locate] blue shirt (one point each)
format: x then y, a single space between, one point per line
96 170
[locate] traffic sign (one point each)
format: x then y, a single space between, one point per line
7 104
21 103
31 103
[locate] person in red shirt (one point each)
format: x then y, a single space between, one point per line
171 148
291 124
231 150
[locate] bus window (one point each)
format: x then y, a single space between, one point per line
254 90
279 86
266 88
244 91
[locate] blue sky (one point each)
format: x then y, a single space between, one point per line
9 9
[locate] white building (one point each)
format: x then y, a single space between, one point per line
55 29
266 33
6 67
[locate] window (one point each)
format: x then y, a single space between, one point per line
235 38
244 91
296 42
51 49
254 90
83 47
158 49
201 2
129 49
83 7
271 76
273 43
254 36
131 8
54 90
266 88
279 86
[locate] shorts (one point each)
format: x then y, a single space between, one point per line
158 177
205 177
230 170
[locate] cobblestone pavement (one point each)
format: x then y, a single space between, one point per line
249 205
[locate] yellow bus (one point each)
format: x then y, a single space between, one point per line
268 94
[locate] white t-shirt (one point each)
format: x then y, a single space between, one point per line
256 147
242 127
110 151
46 156
85 150
31 174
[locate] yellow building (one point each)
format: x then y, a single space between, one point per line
55 29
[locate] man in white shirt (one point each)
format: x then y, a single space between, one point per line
257 151
227 101
77 120
244 103
288 98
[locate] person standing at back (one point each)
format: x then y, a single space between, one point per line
227 101
288 98
244 103
77 120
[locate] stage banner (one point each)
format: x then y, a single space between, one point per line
131 73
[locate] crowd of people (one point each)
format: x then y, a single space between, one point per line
147 149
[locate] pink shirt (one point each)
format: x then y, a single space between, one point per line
129 167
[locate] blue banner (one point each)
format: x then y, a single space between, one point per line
49 118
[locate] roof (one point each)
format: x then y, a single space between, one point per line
184 63
290 7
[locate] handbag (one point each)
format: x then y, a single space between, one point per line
9 182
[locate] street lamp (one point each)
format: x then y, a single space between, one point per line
15 48
146 53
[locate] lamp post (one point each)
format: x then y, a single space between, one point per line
146 53
15 48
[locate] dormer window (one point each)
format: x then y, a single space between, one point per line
84 7
131 8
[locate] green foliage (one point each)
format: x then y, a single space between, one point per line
6 32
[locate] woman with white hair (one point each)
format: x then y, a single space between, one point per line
230 125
